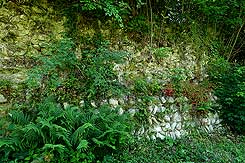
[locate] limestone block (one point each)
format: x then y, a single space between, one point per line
132 111
113 102
177 117
163 100
2 99
178 126
120 111
173 125
159 135
177 134
171 100
168 126
167 118
157 128
155 108
154 120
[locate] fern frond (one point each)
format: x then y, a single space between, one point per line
32 135
6 143
54 147
83 145
60 133
71 117
103 143
18 117
79 133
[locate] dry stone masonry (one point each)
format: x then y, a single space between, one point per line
169 118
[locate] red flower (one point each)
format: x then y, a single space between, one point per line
168 92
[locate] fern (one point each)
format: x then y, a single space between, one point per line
54 147
18 117
83 145
32 135
80 132
45 128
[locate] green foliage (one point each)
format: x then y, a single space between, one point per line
218 65
68 134
199 95
228 13
161 53
109 7
231 96
194 148
139 24
143 87
87 76
41 129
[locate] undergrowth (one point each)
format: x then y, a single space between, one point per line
194 148
50 126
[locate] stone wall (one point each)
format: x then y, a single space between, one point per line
168 117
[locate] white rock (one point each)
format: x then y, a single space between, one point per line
173 125
162 109
177 134
2 99
204 121
155 108
150 121
185 99
81 103
132 112
213 120
178 126
153 137
120 111
210 128
147 137
215 98
154 120
168 126
163 99
167 118
103 102
171 100
159 135
93 104
113 102
66 105
173 108
172 135
157 128
150 109
177 117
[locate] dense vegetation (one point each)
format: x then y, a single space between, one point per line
40 126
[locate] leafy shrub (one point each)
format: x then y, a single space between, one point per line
205 148
109 8
231 95
71 134
72 77
198 94
41 129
